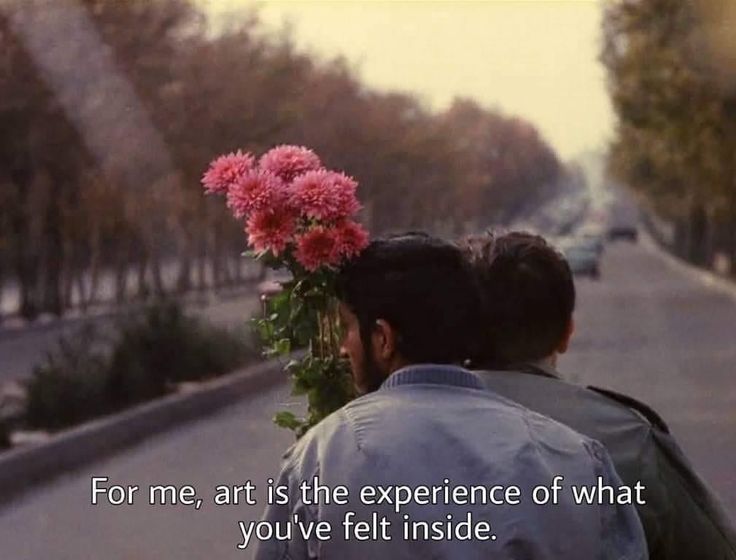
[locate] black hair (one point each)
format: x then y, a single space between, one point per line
423 287
528 296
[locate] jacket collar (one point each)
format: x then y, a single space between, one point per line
438 374
535 368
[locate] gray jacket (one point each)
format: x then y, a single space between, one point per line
435 426
682 519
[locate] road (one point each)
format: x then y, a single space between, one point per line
22 349
646 328
653 331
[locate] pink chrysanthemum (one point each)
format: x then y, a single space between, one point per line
351 238
325 195
272 229
257 190
317 247
287 162
225 171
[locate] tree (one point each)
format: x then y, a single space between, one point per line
675 141
101 176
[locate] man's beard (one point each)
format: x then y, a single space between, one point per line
373 377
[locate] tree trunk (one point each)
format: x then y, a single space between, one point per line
94 264
202 264
238 265
156 272
184 274
67 276
22 259
28 280
697 250
82 288
2 286
121 273
141 268
53 256
217 273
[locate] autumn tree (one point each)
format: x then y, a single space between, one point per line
110 112
675 140
40 157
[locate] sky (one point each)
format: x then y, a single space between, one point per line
533 59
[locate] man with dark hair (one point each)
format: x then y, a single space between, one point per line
529 294
394 287
414 452
529 297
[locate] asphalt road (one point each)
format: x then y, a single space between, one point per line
660 334
646 328
22 349
58 522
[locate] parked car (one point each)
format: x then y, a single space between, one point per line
583 261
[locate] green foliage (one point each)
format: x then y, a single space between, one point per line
327 384
71 386
303 315
287 420
675 142
166 346
88 376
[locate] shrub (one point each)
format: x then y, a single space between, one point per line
71 385
88 376
166 346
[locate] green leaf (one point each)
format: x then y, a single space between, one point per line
276 348
287 419
282 347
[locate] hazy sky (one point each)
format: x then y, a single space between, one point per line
535 59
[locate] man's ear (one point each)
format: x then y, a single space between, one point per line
385 341
565 342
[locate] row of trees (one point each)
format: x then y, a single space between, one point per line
672 77
109 115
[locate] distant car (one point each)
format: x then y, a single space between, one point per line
628 232
583 261
594 242
591 239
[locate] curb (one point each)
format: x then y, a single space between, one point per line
24 468
702 276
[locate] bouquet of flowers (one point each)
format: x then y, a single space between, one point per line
298 215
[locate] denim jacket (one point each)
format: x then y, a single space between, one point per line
436 426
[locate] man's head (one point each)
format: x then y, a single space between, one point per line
405 300
528 298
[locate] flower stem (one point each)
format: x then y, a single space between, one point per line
320 333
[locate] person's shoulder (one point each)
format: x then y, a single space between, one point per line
641 409
570 415
690 501
543 429
332 430
590 409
